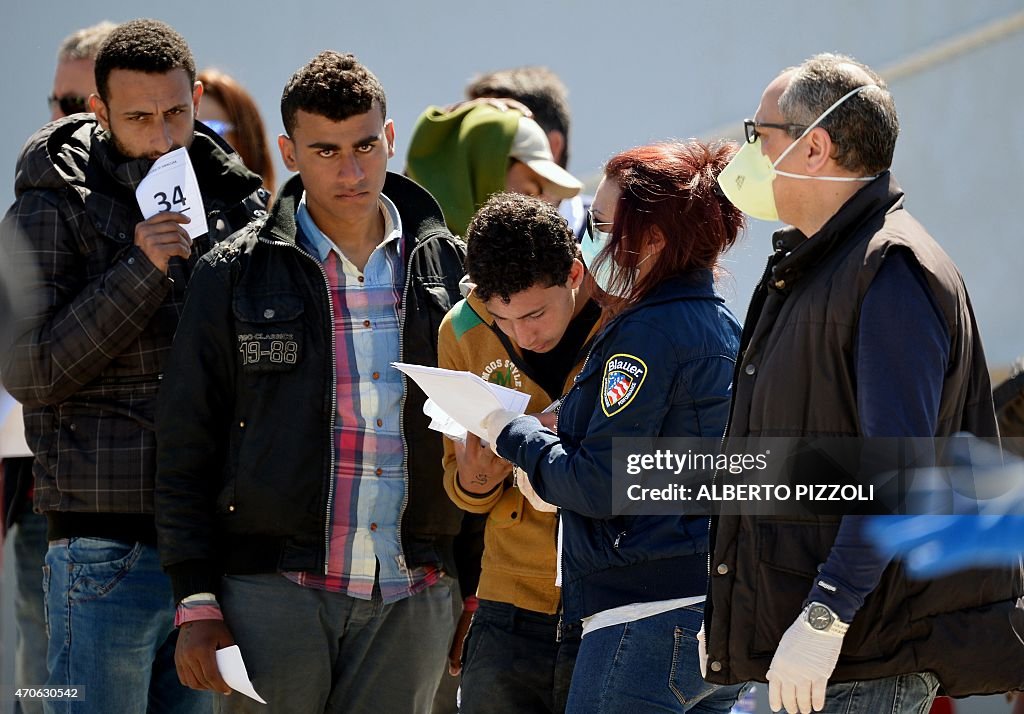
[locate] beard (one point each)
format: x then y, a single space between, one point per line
130 155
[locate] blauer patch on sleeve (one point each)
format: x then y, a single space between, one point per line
623 376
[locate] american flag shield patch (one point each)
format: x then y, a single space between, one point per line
623 376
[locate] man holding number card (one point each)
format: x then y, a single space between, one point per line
300 503
88 363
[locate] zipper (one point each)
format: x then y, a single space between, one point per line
334 393
618 539
558 414
402 312
558 627
558 417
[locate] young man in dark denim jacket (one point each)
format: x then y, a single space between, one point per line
300 502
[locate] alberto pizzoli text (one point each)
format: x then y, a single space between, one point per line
753 492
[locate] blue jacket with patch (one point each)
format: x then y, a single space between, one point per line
661 368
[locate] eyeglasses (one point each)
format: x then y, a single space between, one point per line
750 128
69 104
592 225
221 127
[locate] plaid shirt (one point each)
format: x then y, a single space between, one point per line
369 480
88 362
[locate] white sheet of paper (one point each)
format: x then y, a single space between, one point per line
171 185
463 396
232 669
12 429
440 421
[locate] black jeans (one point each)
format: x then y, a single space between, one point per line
515 662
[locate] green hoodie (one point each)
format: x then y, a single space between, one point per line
461 157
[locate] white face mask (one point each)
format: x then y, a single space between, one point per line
747 180
594 241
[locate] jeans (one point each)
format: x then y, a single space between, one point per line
513 661
110 616
648 665
904 694
446 698
308 650
30 660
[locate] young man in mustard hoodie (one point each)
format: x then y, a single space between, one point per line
526 324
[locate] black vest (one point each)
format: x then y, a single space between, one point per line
796 377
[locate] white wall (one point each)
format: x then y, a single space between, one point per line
637 72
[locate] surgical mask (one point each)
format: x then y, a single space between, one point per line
594 241
747 180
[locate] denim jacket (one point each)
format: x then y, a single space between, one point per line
661 368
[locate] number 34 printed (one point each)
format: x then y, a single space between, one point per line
177 198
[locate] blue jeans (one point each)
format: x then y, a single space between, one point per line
110 616
648 665
904 694
514 662
29 553
308 650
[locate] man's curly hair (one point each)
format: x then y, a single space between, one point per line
515 242
142 45
331 85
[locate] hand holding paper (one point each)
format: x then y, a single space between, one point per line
232 669
171 186
462 396
494 423
479 470
162 238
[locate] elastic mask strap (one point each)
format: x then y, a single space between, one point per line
826 178
815 123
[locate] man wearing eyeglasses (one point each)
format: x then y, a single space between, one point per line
861 327
87 362
74 80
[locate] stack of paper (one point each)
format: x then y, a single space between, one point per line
459 401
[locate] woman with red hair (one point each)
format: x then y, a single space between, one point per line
661 366
228 109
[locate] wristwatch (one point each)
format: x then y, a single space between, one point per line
822 618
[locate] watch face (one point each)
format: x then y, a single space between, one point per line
819 617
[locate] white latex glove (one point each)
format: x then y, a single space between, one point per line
801 668
524 485
493 424
702 652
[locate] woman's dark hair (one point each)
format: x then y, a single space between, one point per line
247 134
671 189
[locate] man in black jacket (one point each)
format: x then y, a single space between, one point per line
300 504
87 363
860 328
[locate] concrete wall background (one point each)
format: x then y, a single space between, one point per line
637 72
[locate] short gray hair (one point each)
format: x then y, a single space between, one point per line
863 129
85 43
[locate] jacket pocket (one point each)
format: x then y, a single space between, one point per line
102 438
269 331
788 555
508 511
